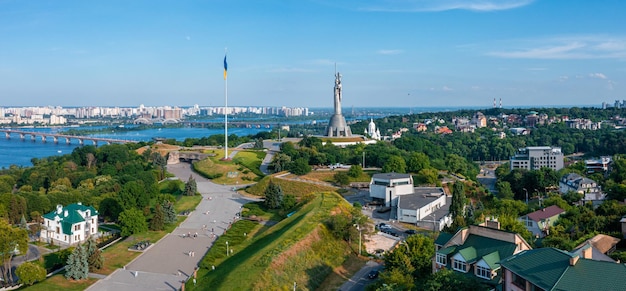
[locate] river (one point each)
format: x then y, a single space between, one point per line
15 151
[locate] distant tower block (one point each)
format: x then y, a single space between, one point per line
500 102
494 102
337 127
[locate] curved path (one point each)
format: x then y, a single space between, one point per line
167 263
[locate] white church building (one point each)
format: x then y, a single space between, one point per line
372 131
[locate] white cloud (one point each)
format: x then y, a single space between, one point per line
597 76
446 88
563 48
390 52
440 5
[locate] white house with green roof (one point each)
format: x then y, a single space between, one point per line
69 225
477 250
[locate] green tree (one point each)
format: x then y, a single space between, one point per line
428 176
132 221
417 162
110 209
77 267
457 205
258 143
341 178
160 162
448 280
394 164
158 219
273 196
355 171
280 162
133 195
289 201
95 260
29 273
169 213
11 239
300 166
191 187
504 190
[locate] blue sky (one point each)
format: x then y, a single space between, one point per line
391 53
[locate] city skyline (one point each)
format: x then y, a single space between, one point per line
283 53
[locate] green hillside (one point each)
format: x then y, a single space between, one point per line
296 188
298 249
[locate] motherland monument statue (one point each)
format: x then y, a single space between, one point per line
337 126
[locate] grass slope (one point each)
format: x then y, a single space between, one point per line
296 188
298 249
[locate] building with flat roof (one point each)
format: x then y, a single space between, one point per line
535 158
426 207
386 187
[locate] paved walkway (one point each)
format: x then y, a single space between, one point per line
158 267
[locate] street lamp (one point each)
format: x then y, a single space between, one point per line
359 229
227 248
526 196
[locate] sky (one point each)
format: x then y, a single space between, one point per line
390 53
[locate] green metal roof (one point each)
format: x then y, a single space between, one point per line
493 260
593 275
443 238
469 254
447 250
543 267
549 269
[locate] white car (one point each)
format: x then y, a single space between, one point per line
384 226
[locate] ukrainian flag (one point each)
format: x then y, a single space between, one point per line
225 67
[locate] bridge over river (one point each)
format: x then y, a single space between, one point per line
44 137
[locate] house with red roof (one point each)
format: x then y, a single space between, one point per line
538 222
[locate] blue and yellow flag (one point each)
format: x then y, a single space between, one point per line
225 67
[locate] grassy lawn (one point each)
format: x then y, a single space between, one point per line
187 203
297 249
251 160
59 283
329 176
217 170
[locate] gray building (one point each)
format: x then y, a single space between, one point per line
535 158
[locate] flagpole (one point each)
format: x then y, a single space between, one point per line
225 108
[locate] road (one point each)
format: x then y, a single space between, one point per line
360 279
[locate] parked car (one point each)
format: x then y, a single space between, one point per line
373 274
410 231
384 226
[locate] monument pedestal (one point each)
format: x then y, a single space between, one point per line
337 127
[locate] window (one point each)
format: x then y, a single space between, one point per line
529 223
483 272
77 227
441 259
460 266
58 230
518 281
